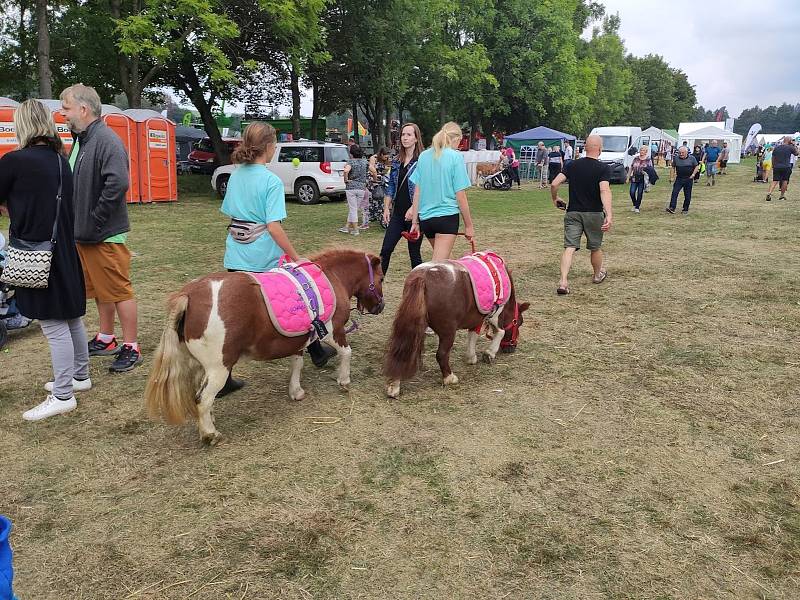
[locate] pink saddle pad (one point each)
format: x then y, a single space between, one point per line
287 303
490 282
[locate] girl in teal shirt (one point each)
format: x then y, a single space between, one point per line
441 180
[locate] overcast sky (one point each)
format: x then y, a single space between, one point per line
737 53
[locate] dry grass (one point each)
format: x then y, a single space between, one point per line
618 454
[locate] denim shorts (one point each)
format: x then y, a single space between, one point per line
711 169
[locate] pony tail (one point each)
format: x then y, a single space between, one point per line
449 133
404 354
172 387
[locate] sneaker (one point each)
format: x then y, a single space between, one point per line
344 229
633 209
78 385
98 348
126 360
18 321
355 232
636 210
684 212
671 211
782 198
50 407
364 226
769 197
708 184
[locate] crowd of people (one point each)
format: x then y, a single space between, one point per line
79 199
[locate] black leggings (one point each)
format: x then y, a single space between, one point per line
397 225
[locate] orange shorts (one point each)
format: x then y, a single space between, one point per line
106 270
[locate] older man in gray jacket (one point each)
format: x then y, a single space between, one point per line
100 175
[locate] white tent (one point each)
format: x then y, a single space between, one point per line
772 138
658 135
685 128
700 136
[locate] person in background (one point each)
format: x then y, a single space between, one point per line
355 177
698 156
541 163
712 155
255 196
724 155
636 177
399 194
668 155
513 164
372 206
684 169
654 152
555 162
588 212
36 188
782 165
568 152
100 175
440 195
767 162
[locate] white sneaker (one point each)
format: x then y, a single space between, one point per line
82 385
50 407
355 232
636 210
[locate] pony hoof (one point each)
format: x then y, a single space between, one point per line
450 379
488 358
393 390
212 439
344 384
472 360
297 395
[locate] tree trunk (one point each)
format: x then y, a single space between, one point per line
388 133
354 132
190 84
43 51
315 102
294 76
377 124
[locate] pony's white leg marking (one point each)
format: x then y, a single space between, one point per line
344 352
450 379
393 389
296 367
472 343
497 336
208 351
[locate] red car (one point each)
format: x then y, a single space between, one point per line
203 159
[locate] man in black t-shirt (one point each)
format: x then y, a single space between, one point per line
782 166
588 212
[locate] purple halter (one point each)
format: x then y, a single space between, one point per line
371 288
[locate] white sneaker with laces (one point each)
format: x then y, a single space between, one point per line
78 385
50 407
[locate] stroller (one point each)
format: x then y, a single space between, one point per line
500 180
10 317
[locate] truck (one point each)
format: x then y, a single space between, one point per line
620 146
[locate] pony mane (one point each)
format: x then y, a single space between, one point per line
337 255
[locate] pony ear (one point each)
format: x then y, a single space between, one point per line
375 260
524 306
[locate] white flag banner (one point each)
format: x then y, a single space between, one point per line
751 135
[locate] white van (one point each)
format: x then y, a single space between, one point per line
620 146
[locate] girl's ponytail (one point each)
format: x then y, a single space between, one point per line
449 133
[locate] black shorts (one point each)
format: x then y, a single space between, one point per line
447 225
723 164
781 173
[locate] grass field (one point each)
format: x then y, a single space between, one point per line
642 442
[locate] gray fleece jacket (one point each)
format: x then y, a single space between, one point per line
100 182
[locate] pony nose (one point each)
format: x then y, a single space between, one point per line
378 309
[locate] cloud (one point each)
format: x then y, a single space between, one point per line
736 54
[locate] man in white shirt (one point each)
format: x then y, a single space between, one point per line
567 151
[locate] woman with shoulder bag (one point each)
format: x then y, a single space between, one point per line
256 203
636 177
376 191
399 193
36 187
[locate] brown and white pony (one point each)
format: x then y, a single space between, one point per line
217 319
439 295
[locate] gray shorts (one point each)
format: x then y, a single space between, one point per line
577 224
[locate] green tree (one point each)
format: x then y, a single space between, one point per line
614 77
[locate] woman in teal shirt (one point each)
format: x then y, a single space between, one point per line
441 180
255 195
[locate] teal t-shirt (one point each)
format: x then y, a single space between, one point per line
254 194
438 181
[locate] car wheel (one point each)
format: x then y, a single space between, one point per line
306 191
222 186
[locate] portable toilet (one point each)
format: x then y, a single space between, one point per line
61 123
125 128
158 166
8 134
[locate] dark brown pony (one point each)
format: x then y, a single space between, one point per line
439 295
215 320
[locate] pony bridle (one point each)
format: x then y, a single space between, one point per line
512 343
371 290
